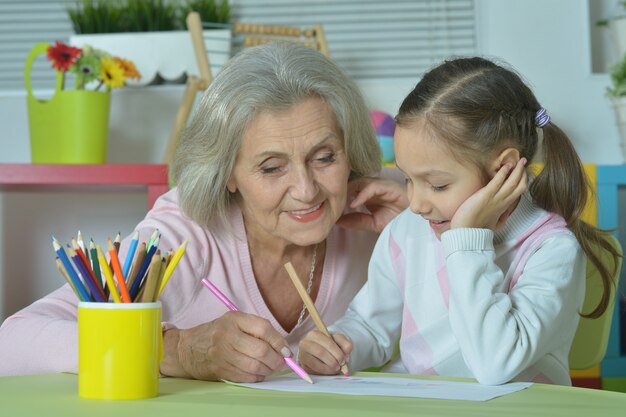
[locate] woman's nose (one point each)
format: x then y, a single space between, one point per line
304 186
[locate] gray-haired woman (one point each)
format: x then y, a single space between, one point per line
278 154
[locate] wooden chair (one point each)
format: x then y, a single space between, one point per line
194 84
251 34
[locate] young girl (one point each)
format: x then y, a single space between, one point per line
484 276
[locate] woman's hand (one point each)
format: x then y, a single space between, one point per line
383 200
238 347
321 355
491 206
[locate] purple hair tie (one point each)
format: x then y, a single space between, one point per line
542 118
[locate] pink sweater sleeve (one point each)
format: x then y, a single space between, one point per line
41 338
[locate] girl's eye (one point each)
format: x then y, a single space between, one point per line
439 187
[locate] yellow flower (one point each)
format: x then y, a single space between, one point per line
112 73
130 71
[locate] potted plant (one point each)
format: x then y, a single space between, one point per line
617 93
617 26
153 33
72 126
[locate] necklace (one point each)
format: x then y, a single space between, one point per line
309 285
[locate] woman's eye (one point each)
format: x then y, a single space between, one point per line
439 187
269 170
325 158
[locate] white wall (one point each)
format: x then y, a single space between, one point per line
546 40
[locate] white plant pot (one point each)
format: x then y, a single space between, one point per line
168 55
619 107
618 32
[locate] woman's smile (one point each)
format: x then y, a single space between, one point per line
307 215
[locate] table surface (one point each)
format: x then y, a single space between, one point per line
57 395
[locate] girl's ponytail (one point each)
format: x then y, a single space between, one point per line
562 187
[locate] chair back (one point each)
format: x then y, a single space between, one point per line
592 335
251 34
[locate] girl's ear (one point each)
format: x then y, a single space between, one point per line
509 155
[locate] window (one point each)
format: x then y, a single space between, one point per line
373 38
368 38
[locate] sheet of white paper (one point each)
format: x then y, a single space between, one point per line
389 386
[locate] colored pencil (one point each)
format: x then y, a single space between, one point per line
104 266
83 294
134 289
91 275
153 237
95 265
82 270
117 242
140 255
117 269
81 244
63 272
172 265
149 288
130 254
315 315
231 306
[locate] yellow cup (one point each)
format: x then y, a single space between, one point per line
120 347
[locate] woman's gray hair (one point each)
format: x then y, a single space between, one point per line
270 77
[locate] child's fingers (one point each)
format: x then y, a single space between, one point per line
320 354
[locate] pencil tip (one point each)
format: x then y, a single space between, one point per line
308 379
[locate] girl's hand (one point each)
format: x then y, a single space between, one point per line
490 207
382 199
321 355
238 347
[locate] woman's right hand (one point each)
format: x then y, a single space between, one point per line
238 347
321 355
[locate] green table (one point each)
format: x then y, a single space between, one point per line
56 395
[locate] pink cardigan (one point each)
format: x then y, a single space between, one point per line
42 338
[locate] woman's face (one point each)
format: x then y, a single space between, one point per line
291 174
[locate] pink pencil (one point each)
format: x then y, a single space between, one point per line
231 306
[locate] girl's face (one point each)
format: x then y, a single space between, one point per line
437 183
291 174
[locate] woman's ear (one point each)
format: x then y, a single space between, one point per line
230 184
509 155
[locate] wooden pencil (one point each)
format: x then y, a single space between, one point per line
315 315
151 281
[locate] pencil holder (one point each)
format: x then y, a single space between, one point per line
120 347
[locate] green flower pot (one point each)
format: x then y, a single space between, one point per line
70 128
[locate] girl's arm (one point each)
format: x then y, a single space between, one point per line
373 319
501 334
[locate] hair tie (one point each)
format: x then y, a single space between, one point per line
541 117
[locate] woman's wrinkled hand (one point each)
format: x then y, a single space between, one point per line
382 200
321 355
237 347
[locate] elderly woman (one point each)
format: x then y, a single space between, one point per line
278 153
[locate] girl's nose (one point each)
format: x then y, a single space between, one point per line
418 204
